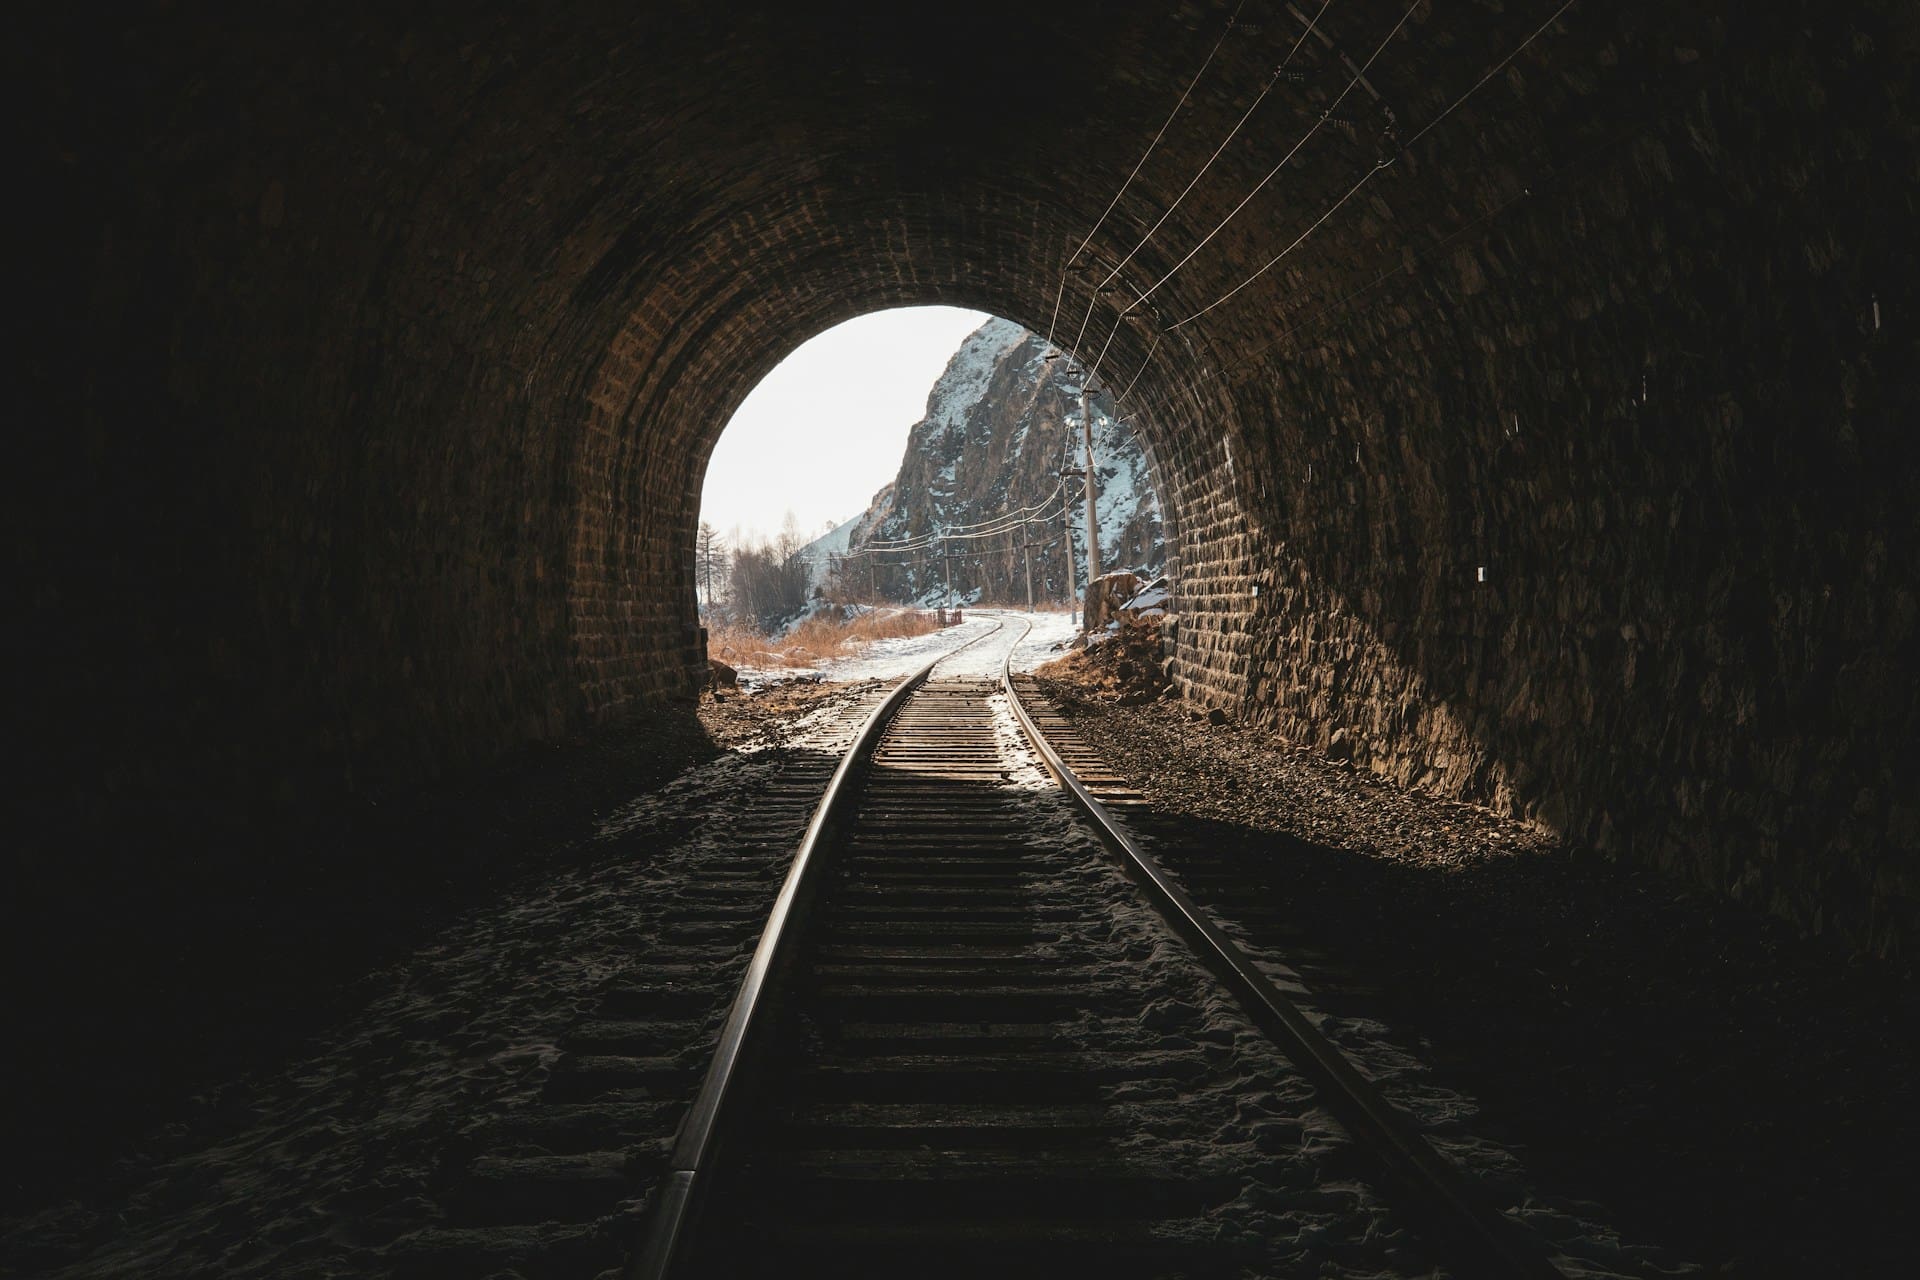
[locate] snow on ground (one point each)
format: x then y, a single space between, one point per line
1251 1117
347 1163
903 655
1050 634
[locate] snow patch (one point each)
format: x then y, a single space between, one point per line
819 553
964 383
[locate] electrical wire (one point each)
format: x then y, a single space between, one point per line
1339 304
1113 203
1335 208
1544 184
1153 347
1325 115
1043 514
1375 171
1492 71
1100 359
1094 296
1008 521
851 557
886 543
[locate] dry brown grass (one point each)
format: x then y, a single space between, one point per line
814 640
1125 668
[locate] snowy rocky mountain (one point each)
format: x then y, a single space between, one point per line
824 554
1001 423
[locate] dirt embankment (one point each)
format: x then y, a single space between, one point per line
735 718
1123 668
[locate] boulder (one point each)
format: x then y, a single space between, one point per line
1106 594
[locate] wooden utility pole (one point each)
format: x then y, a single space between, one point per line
946 560
1026 552
1066 528
873 580
1093 518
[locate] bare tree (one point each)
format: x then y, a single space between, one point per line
768 581
790 539
710 553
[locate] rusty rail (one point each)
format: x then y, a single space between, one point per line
1486 1240
1480 1240
728 1080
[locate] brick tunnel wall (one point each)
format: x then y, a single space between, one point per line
373 362
1618 375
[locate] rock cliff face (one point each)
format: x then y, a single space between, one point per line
1000 425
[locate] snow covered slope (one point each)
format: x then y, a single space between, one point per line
1001 423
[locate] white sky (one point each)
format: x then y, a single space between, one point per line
828 426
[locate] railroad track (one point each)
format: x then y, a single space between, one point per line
969 1039
953 1035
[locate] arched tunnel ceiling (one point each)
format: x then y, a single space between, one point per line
380 353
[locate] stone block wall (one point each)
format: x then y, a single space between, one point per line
1541 450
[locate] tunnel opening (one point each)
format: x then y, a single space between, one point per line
942 458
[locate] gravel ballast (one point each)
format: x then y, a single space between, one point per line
1724 1086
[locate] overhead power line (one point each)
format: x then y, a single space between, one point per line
1246 115
1327 114
1374 172
1152 347
1016 513
1007 522
1113 203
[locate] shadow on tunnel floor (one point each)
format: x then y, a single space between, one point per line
1720 1085
217 949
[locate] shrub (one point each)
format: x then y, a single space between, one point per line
814 639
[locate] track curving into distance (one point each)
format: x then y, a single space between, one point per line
967 1040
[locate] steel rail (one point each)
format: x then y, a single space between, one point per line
1490 1244
724 1091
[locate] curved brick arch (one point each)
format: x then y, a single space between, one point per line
691 412
379 358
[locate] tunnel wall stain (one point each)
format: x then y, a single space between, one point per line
374 361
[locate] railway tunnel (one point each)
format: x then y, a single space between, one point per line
1529 388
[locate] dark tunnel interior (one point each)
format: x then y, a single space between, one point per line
1543 423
